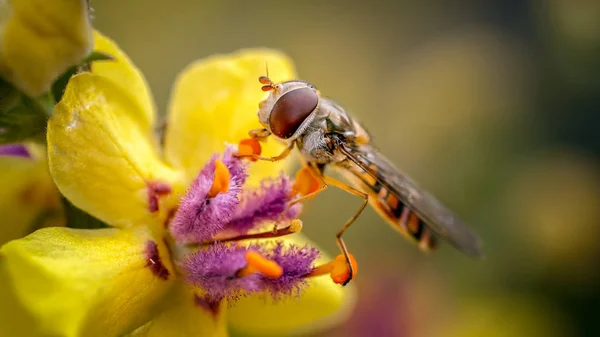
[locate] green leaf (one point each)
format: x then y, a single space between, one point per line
58 87
24 118
22 123
9 96
98 56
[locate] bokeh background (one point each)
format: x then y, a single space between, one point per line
491 105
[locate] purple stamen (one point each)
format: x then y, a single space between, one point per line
269 202
215 269
237 167
200 217
221 269
296 262
14 150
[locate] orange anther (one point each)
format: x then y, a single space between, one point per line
305 182
338 269
256 263
341 271
221 180
249 147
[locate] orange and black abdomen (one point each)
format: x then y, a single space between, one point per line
394 211
402 218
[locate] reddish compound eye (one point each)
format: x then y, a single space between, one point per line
291 110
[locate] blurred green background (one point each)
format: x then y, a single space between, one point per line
491 105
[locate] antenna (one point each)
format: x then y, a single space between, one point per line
267 68
268 84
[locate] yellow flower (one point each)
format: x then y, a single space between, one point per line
28 197
104 158
40 40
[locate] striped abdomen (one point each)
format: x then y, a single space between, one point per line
389 206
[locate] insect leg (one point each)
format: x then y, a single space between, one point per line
310 195
322 187
338 236
279 157
259 134
314 172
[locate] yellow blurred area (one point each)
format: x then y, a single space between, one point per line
28 198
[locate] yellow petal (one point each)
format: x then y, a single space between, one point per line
28 197
16 320
126 76
214 101
182 315
100 157
41 40
85 282
324 304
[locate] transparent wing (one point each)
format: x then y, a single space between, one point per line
435 215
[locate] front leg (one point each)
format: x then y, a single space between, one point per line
259 134
279 157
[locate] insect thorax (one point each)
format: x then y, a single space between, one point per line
330 128
315 146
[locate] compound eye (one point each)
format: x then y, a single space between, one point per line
291 110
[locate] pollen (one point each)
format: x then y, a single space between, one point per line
296 226
306 182
221 180
338 269
256 263
249 147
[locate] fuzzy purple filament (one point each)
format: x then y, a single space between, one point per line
214 269
296 262
269 202
200 217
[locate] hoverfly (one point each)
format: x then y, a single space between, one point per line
296 114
